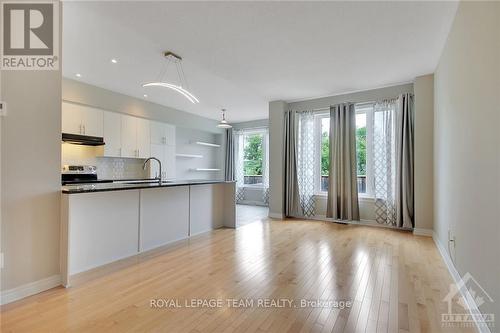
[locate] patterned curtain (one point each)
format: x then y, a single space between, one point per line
265 180
305 162
240 179
384 161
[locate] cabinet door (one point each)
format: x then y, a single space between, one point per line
92 121
157 132
112 130
71 118
158 152
129 136
169 162
170 135
143 138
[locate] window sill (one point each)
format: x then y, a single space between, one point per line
361 197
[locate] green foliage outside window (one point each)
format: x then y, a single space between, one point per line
360 152
252 155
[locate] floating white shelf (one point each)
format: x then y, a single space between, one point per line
189 155
201 143
202 169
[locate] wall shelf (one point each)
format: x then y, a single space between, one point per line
204 169
189 155
208 144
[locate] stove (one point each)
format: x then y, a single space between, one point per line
80 174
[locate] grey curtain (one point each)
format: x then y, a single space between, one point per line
342 201
229 157
404 161
291 187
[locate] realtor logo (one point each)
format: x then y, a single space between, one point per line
467 294
30 35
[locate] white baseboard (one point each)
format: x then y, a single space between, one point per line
469 300
29 289
423 232
278 216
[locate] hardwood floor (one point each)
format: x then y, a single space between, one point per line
396 282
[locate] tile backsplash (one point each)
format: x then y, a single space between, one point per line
107 167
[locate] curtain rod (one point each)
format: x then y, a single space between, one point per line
327 108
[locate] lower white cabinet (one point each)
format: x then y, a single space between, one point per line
164 216
102 227
206 209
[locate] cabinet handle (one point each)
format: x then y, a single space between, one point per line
80 129
83 129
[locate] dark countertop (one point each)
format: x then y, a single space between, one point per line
121 185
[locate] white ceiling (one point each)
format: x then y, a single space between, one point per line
241 55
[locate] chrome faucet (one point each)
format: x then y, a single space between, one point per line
159 163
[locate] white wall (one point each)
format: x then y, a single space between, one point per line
467 145
424 178
30 176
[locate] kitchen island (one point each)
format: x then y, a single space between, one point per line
106 222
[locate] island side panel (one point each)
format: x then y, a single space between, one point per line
164 216
229 205
103 227
206 207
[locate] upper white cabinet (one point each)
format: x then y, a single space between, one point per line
163 148
112 129
162 134
135 137
83 120
143 138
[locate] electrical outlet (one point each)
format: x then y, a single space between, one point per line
3 108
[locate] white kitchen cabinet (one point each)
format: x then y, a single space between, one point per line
101 227
143 138
82 120
135 137
128 136
112 130
164 216
162 133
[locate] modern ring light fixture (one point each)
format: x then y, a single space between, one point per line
176 60
223 123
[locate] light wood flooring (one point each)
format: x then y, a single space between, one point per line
396 282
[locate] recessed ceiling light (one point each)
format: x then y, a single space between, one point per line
145 96
78 75
114 61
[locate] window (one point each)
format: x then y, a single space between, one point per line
253 158
364 116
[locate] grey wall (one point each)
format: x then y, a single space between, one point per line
252 124
30 176
424 128
276 123
467 145
87 94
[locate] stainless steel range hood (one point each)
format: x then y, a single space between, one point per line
84 140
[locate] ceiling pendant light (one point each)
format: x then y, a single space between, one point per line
176 60
223 123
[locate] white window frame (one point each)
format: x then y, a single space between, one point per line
367 108
360 108
263 132
318 117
